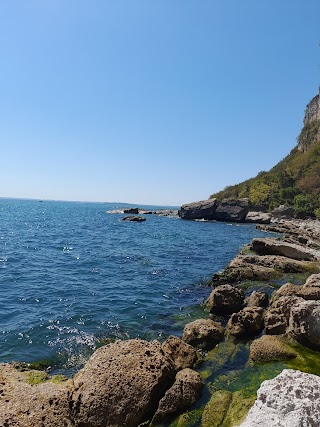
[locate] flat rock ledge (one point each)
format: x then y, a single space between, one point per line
289 400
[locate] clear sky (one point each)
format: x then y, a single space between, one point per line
150 101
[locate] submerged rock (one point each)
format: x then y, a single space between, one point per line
225 299
203 333
270 348
246 322
185 392
289 400
133 218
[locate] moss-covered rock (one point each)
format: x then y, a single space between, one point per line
216 409
270 348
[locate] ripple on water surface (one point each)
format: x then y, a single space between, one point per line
71 275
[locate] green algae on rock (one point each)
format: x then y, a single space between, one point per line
270 348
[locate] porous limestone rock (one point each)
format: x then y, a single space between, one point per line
304 322
203 333
204 209
182 354
270 348
185 392
311 289
246 322
289 400
27 399
225 299
122 384
258 299
277 316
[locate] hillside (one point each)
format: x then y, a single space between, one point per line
295 180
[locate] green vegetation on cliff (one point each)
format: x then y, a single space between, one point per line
294 181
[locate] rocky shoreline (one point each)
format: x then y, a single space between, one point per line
135 382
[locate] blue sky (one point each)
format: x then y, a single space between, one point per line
149 101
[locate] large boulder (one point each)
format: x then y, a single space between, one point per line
30 399
131 211
270 348
277 317
122 384
270 246
182 354
247 322
204 209
225 299
233 210
311 289
185 392
258 217
304 323
203 333
289 400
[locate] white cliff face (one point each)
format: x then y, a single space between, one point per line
292 399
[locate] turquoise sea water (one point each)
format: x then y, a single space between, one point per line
72 274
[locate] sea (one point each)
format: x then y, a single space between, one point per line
74 276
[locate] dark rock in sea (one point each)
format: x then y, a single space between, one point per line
232 210
203 333
246 323
270 246
185 392
182 354
258 299
204 209
131 211
270 348
134 218
225 299
122 384
282 212
258 217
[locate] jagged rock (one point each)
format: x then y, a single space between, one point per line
304 323
311 289
246 322
263 267
27 399
289 400
204 209
182 354
133 218
225 299
122 384
185 392
203 333
234 210
276 319
288 289
269 246
270 348
258 299
282 212
131 211
258 217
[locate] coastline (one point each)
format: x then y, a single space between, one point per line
211 366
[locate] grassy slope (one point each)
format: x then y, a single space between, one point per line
294 181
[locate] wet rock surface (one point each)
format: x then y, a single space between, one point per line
270 348
203 333
225 299
247 322
289 400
